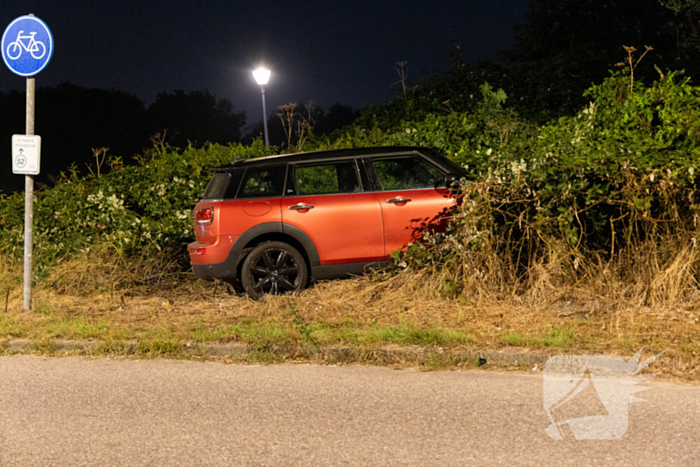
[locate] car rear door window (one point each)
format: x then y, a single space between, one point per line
410 172
326 178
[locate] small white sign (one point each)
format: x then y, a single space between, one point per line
26 154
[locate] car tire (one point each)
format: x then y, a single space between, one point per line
273 268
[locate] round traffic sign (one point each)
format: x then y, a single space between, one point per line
27 46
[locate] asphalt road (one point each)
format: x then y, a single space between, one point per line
73 411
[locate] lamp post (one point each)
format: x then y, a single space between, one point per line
262 76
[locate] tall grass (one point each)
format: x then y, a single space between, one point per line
497 248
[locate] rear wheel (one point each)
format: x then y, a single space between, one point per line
273 268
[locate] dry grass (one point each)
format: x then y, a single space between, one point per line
601 312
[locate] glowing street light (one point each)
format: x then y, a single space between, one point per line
262 76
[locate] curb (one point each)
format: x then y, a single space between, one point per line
392 354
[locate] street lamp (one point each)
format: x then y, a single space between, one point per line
262 76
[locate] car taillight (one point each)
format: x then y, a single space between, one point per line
200 251
205 216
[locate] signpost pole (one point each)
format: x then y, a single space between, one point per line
26 48
29 204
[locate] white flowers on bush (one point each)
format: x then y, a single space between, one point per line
517 167
109 203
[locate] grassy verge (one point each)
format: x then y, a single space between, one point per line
364 314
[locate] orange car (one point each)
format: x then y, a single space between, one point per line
277 222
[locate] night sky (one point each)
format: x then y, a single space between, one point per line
325 51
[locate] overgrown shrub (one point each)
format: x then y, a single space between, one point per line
614 185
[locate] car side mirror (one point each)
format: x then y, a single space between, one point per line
451 181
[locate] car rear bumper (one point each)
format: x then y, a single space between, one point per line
214 271
213 261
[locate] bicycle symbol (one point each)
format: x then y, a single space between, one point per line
36 48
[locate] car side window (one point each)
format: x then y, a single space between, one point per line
262 182
410 172
327 178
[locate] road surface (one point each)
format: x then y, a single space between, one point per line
75 411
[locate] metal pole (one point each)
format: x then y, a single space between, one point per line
267 141
29 204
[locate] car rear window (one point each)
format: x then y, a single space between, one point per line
216 188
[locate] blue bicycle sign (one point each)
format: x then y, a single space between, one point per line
26 46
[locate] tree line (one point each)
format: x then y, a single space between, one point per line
561 48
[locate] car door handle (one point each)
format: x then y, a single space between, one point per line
398 200
300 207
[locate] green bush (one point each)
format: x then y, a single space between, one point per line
618 175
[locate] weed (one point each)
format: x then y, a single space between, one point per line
305 329
109 347
691 347
442 361
411 335
159 348
259 354
44 346
43 308
557 337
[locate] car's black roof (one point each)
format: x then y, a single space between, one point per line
335 153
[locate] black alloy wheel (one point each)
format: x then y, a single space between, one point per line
273 268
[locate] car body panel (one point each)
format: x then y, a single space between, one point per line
345 228
427 210
231 219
